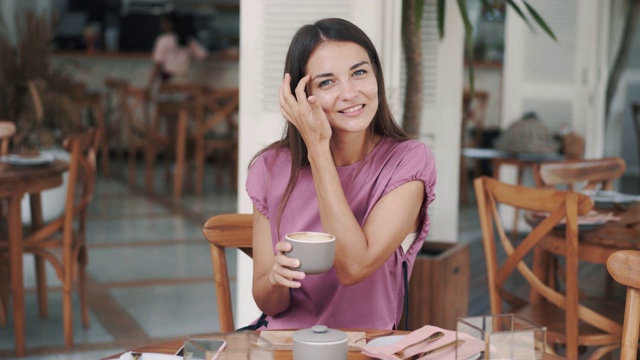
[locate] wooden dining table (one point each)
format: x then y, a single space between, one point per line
172 347
15 182
597 243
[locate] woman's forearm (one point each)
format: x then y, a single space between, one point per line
338 219
272 299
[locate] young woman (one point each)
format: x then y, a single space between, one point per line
343 167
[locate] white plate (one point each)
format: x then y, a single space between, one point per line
384 340
609 197
388 340
150 356
36 160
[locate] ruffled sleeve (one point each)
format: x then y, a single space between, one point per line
416 162
256 185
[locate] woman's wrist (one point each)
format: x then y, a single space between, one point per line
319 154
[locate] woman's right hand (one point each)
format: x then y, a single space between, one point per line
282 272
304 113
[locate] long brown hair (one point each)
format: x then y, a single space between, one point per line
302 46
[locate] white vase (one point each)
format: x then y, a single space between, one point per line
53 200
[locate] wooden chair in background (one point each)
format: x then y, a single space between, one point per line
174 106
594 174
570 321
115 115
635 113
61 241
141 134
93 101
474 109
221 108
227 231
624 267
7 130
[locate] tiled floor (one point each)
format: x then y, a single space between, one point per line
150 272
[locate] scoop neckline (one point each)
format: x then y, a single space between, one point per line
373 151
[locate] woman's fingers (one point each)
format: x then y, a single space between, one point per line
283 270
305 113
286 276
301 94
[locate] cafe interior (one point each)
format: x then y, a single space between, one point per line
129 234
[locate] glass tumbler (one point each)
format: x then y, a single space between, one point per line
505 336
245 345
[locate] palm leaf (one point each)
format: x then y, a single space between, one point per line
468 37
441 14
418 13
540 21
520 13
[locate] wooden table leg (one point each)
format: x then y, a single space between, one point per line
516 212
98 110
37 221
200 157
540 267
181 141
15 261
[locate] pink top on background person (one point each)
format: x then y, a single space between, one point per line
377 301
172 58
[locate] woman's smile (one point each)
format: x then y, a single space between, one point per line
354 110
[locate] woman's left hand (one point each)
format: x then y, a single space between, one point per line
304 113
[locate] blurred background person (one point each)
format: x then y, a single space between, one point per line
174 49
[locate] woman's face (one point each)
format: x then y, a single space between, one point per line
344 84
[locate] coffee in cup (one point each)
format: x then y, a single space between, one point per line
315 250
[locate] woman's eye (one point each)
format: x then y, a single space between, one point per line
359 72
324 83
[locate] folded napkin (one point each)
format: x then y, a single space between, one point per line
592 217
471 346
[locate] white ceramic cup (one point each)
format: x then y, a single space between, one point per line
315 250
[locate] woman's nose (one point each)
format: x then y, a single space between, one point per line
347 91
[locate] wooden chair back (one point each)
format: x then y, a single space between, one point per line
635 112
7 130
624 267
568 321
227 231
68 253
220 106
593 174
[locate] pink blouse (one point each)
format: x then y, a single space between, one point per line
377 301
